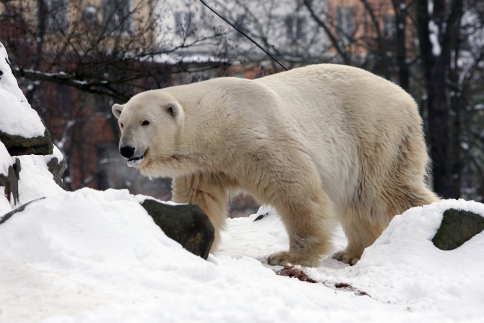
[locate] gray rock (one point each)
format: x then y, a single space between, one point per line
186 224
17 145
260 217
456 228
57 169
10 182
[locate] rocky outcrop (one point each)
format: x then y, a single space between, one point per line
187 224
456 228
23 133
18 145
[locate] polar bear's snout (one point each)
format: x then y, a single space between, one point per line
130 154
127 151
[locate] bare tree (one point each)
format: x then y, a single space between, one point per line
439 27
111 49
75 58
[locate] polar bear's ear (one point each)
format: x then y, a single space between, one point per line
175 110
117 109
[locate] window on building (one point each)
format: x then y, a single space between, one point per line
183 23
90 16
389 29
54 14
345 24
295 28
117 15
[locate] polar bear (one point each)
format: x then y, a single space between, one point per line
318 143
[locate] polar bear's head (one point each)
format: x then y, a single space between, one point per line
149 124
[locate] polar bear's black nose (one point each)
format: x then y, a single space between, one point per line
127 151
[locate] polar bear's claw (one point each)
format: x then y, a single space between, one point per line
345 257
284 258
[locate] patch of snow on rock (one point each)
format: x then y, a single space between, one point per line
16 115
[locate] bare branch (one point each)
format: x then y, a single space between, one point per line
381 44
330 34
102 88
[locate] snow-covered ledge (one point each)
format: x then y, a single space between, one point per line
21 129
39 164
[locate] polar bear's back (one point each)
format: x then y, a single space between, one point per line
341 100
329 89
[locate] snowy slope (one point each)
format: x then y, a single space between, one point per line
91 256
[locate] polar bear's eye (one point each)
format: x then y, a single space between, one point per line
145 123
121 125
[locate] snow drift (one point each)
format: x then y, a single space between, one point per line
91 256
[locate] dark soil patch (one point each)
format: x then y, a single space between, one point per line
293 272
348 287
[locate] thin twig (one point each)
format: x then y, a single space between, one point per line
245 35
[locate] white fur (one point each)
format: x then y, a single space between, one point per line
316 142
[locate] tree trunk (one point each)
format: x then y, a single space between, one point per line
445 21
438 114
400 9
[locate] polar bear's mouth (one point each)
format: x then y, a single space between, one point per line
136 160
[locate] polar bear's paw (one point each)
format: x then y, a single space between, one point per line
284 258
346 257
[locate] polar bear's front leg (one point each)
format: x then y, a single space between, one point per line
208 191
309 222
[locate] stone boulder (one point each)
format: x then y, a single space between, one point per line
456 228
187 224
18 145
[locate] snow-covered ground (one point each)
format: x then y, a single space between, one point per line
91 256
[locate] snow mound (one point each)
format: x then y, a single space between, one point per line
404 267
87 229
91 256
105 245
